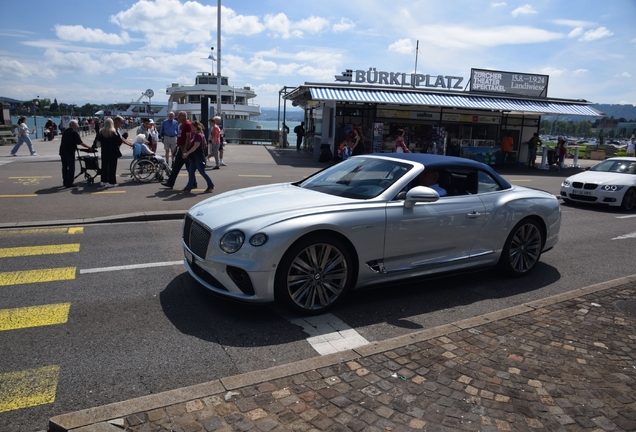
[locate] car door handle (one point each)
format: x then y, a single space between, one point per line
473 215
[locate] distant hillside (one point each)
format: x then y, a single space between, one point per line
292 114
628 112
10 100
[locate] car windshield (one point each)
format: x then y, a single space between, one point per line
357 178
616 166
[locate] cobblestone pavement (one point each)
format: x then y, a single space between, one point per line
567 366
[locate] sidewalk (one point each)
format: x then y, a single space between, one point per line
565 363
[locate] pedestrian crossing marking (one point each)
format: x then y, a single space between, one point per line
39 250
37 276
18 196
34 316
28 388
42 231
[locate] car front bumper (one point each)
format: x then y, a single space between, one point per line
597 196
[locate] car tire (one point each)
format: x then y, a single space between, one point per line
629 200
314 274
522 249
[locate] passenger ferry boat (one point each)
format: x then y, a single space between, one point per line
237 104
138 108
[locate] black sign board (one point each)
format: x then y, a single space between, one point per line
490 81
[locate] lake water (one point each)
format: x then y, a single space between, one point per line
265 124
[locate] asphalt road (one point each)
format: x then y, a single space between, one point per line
132 332
122 332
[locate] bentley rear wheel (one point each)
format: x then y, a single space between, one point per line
314 274
522 249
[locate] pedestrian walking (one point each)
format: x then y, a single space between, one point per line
168 135
68 146
184 136
561 151
215 140
533 145
110 142
300 133
195 154
23 137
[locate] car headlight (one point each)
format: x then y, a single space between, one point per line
258 239
612 188
232 241
566 183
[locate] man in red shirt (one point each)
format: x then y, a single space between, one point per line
183 139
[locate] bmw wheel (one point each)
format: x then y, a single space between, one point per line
629 199
314 274
522 249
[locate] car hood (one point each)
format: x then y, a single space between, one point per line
603 178
271 202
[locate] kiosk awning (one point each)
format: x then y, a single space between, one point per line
549 107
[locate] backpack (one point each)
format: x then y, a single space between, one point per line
297 129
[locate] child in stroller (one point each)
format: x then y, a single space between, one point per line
146 164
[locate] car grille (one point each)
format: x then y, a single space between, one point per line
196 237
586 186
587 198
207 277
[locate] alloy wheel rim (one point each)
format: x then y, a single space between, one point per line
525 248
317 276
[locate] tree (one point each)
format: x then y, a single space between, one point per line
55 107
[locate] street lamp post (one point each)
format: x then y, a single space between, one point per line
36 104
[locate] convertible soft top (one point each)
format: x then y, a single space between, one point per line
438 161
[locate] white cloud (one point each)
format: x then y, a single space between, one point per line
402 46
576 32
13 68
633 41
75 62
580 71
79 33
493 4
313 24
461 37
317 73
624 75
553 72
572 23
344 25
281 26
598 33
288 69
523 10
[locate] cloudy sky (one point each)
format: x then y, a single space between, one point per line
106 52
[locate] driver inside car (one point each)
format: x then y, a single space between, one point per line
430 178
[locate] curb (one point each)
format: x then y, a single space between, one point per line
130 217
104 418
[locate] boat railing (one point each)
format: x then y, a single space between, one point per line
251 136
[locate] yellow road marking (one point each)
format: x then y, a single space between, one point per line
255 175
33 316
39 250
28 388
18 196
37 276
104 192
42 231
28 177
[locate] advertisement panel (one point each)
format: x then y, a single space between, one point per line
523 84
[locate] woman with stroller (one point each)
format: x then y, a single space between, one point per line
23 137
110 141
195 153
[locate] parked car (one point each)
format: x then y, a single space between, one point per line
364 222
611 182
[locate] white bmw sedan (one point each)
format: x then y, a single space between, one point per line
367 221
611 182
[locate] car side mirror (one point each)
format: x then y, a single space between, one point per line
420 194
587 168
